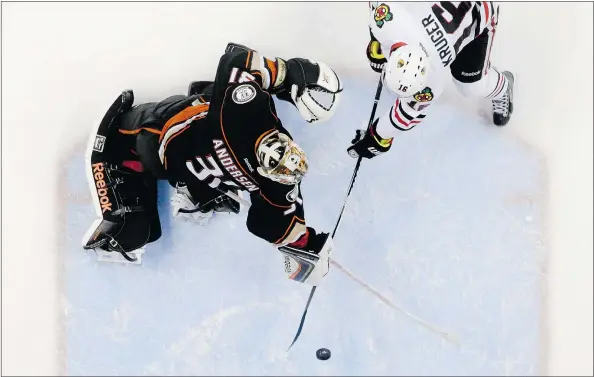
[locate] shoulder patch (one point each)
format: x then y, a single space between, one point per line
424 95
243 94
382 15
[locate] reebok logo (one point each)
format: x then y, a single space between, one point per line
247 163
470 73
100 185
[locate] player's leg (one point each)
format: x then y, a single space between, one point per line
123 193
475 77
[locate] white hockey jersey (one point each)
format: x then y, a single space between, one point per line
441 29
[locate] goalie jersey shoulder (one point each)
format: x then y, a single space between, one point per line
247 113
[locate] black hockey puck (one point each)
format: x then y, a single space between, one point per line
323 354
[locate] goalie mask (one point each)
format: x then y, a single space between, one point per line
281 159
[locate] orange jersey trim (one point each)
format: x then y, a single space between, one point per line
293 220
183 116
134 132
271 203
169 141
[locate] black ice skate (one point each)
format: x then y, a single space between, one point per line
504 107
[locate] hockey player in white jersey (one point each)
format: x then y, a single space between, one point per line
417 47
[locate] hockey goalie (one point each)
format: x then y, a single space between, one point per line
222 139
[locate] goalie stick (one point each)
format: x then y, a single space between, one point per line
355 171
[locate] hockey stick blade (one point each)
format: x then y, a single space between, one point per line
355 171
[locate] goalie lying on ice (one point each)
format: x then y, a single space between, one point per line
221 139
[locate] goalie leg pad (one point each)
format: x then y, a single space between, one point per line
128 208
124 195
307 267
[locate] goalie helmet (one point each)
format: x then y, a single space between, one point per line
405 72
281 159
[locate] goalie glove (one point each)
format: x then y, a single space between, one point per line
308 259
312 87
374 54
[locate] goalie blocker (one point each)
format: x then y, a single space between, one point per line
311 262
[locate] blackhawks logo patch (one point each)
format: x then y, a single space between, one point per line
424 95
382 15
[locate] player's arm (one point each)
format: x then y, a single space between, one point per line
404 115
277 215
240 64
287 79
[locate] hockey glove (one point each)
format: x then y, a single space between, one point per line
308 259
368 144
374 55
312 87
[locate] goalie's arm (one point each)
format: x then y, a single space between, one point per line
245 65
286 79
277 215
281 222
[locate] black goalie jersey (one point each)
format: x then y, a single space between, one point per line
213 144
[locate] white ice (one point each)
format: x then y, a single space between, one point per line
426 225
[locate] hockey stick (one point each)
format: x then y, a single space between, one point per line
356 170
444 334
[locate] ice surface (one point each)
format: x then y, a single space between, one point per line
438 225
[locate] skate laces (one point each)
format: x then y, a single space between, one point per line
501 105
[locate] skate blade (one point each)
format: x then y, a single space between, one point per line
115 257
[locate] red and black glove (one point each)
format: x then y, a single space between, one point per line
311 241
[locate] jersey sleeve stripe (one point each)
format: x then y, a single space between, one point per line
183 116
271 203
295 230
404 113
248 60
134 132
173 133
266 77
273 71
402 120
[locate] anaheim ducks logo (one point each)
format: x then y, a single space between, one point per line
382 15
424 95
